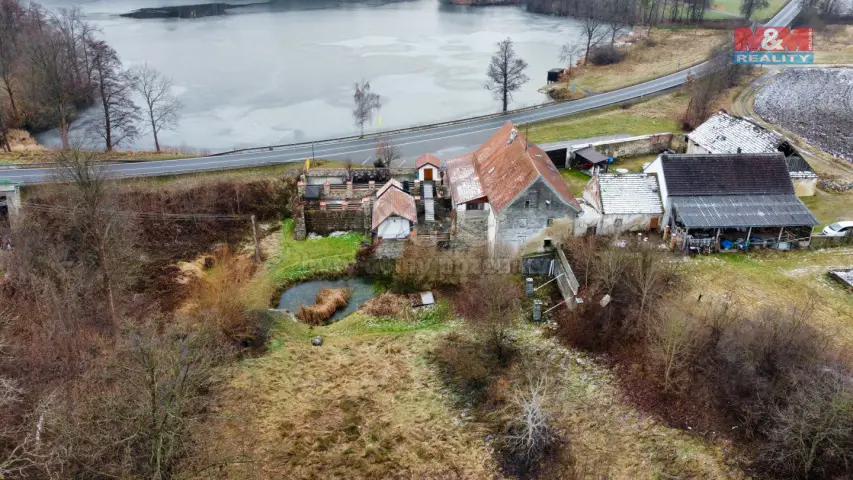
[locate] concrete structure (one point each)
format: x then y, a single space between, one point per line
511 188
625 203
10 201
429 168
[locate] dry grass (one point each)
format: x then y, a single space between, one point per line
834 44
328 300
670 51
364 405
385 305
612 437
764 279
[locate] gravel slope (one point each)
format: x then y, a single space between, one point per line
815 103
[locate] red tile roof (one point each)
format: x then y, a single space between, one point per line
506 165
390 183
464 183
394 202
427 159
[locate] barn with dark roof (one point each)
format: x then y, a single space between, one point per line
722 202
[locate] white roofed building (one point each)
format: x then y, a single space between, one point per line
626 203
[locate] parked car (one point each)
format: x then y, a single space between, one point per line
839 229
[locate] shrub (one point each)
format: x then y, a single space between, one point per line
462 363
605 55
491 305
385 305
530 435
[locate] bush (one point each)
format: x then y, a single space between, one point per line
605 55
385 305
530 436
462 363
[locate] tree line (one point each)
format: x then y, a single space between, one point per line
52 65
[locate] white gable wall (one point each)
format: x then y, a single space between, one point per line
394 227
422 175
657 168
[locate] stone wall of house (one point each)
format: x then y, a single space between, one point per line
528 215
299 230
633 146
472 227
324 222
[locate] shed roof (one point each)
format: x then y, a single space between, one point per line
390 183
591 155
427 159
394 202
729 174
724 133
728 211
630 193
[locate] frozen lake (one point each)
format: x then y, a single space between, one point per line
285 73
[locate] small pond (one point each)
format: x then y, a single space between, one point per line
305 293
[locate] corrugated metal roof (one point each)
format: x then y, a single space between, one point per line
591 155
729 174
630 193
728 211
394 202
724 133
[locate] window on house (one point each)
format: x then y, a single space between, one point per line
617 222
547 243
527 204
550 222
522 223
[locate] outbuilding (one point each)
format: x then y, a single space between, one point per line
428 167
626 203
394 213
725 202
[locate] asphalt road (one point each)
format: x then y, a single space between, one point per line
445 141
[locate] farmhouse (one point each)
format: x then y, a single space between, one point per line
721 202
625 203
724 133
508 192
394 212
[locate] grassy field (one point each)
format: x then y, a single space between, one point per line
655 115
576 180
771 278
370 404
733 7
834 44
668 51
318 256
830 207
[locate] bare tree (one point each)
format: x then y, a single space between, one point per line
569 54
620 16
366 103
748 7
505 73
121 115
593 28
491 306
4 129
106 236
386 153
161 106
673 339
532 434
53 77
649 273
11 27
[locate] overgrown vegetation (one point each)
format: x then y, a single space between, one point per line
101 374
764 375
